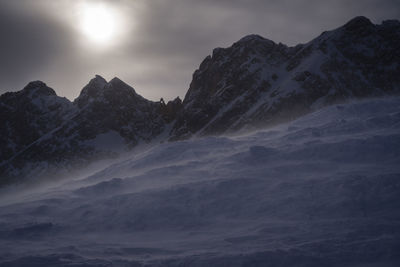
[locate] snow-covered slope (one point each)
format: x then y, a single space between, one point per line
323 190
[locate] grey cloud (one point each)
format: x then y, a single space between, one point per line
29 42
168 41
179 34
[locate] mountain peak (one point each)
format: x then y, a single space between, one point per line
99 90
92 90
358 23
38 88
117 82
247 78
98 81
34 84
252 39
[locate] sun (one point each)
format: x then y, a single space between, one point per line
98 23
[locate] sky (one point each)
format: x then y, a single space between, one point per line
153 45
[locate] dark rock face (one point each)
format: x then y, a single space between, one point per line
46 132
170 110
27 115
225 76
116 106
257 82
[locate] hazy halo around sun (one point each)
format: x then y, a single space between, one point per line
99 23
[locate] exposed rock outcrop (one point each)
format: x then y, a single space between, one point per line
257 82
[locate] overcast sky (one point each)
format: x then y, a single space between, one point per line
158 44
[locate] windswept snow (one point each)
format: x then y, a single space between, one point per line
323 190
110 141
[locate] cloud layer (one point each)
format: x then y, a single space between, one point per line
164 40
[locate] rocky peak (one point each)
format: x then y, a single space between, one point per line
98 81
358 23
115 106
115 94
38 88
117 82
104 114
29 114
119 87
170 110
35 97
249 53
93 90
358 59
254 40
33 85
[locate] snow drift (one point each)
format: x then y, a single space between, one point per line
323 190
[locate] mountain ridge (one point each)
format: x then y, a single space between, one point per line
322 67
253 83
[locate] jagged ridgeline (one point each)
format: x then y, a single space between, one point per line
254 83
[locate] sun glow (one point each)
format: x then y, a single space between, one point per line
99 23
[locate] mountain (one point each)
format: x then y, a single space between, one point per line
25 117
106 119
322 190
257 82
252 84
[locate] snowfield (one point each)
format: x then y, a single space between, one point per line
323 190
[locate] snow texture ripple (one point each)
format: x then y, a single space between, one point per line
323 190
